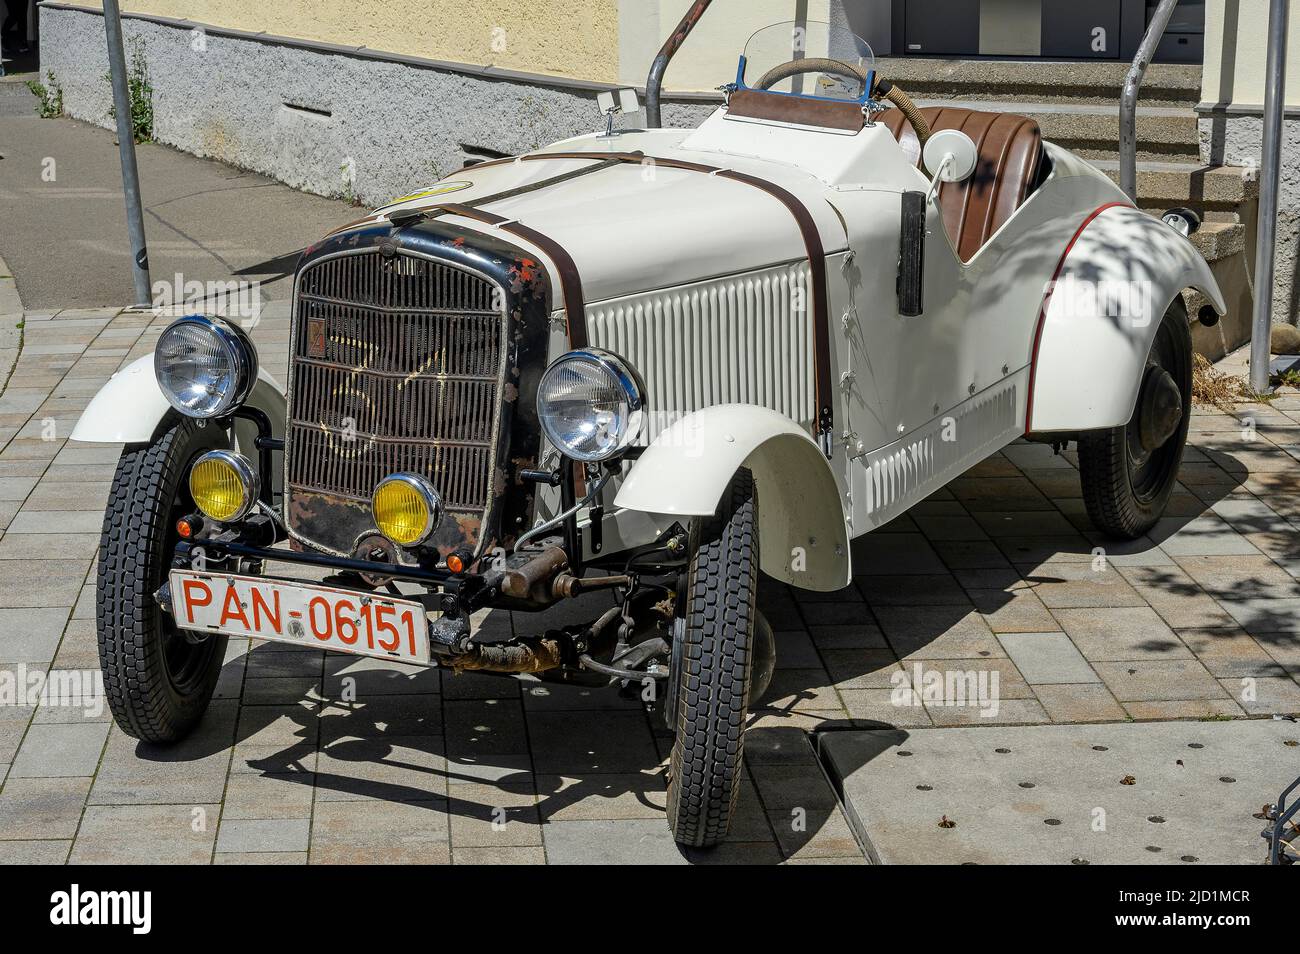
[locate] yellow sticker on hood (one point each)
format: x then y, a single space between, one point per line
442 188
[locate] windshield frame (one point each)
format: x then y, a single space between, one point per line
868 86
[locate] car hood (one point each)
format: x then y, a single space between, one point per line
634 227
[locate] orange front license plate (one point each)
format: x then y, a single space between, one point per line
303 613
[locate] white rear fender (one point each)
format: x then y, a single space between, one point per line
803 538
1113 286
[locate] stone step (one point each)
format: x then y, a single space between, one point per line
1216 240
1207 189
1165 84
1164 133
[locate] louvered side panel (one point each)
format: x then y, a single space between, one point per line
896 477
745 339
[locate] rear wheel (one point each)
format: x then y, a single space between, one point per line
712 665
158 679
1128 472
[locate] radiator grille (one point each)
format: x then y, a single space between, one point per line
745 339
397 365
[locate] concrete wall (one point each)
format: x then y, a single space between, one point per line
1231 124
328 123
600 40
1236 50
576 38
709 56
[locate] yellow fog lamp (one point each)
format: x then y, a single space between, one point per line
223 486
406 509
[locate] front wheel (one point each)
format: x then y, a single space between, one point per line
1128 472
713 666
157 678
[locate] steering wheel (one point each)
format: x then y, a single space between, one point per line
884 88
812 65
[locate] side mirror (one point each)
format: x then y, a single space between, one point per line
952 155
611 103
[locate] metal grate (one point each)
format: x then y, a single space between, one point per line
397 365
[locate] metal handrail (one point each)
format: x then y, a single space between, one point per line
1128 100
1269 176
655 81
1282 813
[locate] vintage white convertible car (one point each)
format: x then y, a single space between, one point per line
647 365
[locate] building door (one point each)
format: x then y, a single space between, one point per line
1074 30
941 27
1184 39
1052 29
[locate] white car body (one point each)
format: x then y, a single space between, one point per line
697 280
675 357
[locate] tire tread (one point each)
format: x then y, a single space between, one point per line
717 662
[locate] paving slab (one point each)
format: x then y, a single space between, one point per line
146 834
192 770
264 834
54 852
1047 658
1136 793
380 833
498 856
31 634
1121 633
35 808
1079 703
60 751
1158 680
260 858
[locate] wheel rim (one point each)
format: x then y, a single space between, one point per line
185 661
1152 470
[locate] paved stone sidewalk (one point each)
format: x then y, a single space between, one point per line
1170 792
308 757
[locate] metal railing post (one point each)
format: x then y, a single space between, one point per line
1129 98
126 148
1270 171
655 82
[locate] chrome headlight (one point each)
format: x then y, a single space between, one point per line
204 365
590 404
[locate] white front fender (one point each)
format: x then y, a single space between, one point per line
803 537
129 408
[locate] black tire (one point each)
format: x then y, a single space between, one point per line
1125 486
157 681
715 668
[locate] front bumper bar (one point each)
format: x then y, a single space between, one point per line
220 549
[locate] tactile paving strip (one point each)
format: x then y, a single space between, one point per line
1123 793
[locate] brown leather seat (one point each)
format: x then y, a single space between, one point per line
1010 164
